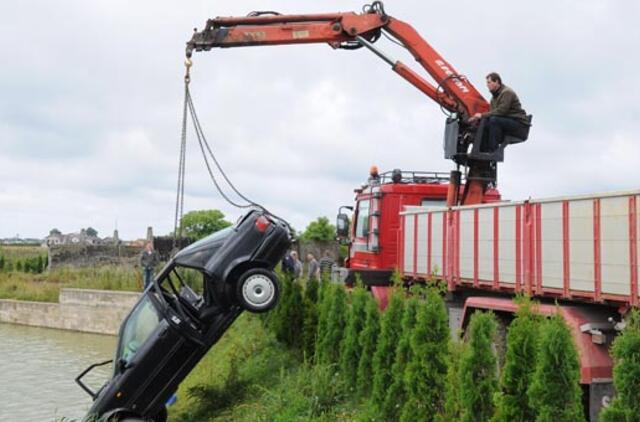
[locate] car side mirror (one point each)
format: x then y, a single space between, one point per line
342 226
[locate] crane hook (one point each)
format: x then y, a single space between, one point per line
187 65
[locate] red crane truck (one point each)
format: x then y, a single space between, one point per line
578 252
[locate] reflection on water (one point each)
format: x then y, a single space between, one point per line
37 371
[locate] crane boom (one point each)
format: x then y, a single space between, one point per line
348 30
452 91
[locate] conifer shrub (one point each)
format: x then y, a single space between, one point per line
310 322
329 344
287 319
426 371
625 406
512 402
453 401
555 391
397 393
390 330
350 347
478 369
368 340
325 297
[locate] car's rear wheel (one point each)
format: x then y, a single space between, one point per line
258 290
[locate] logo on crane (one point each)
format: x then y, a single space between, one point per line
456 79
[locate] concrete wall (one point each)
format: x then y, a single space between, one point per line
91 311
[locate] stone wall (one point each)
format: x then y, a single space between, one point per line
317 248
91 311
93 255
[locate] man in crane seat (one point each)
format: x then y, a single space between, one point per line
505 116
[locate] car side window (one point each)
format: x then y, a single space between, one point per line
139 326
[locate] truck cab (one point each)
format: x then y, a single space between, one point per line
373 233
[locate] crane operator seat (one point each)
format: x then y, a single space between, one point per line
497 155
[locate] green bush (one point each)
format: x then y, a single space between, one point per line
453 401
329 344
350 347
390 330
426 371
626 374
368 340
478 369
309 330
555 391
512 403
397 393
288 317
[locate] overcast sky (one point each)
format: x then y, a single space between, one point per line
91 98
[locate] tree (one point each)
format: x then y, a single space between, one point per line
397 393
522 348
310 323
202 223
368 339
325 297
91 232
329 344
453 402
288 320
350 348
555 390
390 330
478 367
54 232
425 373
320 230
626 374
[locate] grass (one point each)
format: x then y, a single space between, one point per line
249 376
46 287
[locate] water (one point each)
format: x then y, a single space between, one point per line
37 371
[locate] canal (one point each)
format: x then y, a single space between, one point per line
37 371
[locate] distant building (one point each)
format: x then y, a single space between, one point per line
79 238
17 240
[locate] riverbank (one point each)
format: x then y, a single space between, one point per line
45 287
83 310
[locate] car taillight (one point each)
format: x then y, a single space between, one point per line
262 223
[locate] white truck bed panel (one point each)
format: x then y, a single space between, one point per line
583 246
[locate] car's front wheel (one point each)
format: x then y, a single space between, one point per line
258 290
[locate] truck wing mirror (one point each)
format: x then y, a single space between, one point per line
342 226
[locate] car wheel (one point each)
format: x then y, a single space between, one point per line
258 290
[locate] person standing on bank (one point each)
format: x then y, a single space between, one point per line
505 116
326 263
313 267
148 260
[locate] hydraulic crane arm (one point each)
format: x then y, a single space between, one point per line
348 30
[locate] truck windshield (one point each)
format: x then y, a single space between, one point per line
137 328
362 223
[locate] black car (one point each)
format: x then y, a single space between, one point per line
172 327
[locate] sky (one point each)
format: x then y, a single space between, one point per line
91 100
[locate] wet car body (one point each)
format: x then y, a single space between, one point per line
172 327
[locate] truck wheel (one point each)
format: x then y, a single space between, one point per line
258 290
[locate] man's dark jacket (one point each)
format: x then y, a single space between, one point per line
505 103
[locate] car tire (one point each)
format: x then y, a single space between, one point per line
258 290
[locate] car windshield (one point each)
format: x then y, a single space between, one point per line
138 327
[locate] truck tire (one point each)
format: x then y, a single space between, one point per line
258 290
